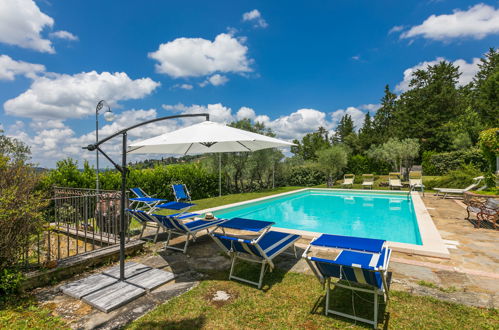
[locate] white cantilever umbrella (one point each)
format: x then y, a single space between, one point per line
206 137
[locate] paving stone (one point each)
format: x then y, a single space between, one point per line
131 269
113 296
87 285
151 279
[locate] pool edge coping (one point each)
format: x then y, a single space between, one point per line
432 243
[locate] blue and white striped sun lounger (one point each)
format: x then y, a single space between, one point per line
181 193
263 249
360 260
173 224
144 199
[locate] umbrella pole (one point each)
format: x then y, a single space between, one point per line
220 174
122 209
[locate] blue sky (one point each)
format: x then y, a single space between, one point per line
292 65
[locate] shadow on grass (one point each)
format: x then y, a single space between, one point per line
356 303
203 256
194 323
251 271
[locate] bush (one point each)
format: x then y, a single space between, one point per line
304 175
155 181
10 282
459 178
441 163
360 164
21 217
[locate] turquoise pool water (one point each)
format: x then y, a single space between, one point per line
362 214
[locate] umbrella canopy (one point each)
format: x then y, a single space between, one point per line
206 137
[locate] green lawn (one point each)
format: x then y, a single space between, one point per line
206 203
22 312
291 300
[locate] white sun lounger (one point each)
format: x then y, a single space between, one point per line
394 180
368 181
446 191
348 180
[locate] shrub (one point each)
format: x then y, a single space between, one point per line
459 178
155 181
308 174
10 282
20 209
158 180
360 164
489 144
440 163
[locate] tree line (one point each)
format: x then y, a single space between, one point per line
435 115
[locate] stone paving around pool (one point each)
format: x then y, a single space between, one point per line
470 277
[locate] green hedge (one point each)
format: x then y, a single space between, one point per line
303 175
360 164
460 178
440 163
155 181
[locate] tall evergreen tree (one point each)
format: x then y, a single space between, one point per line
486 89
384 120
425 109
344 129
366 133
311 143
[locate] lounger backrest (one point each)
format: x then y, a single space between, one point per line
235 244
141 216
170 222
138 192
180 192
368 275
472 186
368 177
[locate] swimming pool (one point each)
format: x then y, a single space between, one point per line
388 216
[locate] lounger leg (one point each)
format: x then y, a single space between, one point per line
142 231
156 236
168 238
232 266
262 272
328 287
375 308
294 248
186 242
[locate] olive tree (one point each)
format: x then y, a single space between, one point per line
332 161
398 152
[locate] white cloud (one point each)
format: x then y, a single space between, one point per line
356 57
467 70
256 17
215 80
477 22
245 113
218 112
298 123
9 68
64 35
61 96
370 107
21 23
184 86
186 57
395 29
53 140
356 114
